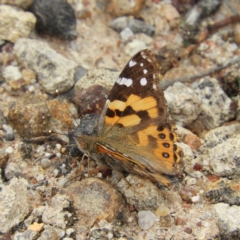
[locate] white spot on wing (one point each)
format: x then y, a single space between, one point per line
125 81
154 86
143 55
141 64
145 71
131 63
154 76
143 81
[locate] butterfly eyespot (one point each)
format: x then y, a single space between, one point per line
166 145
162 135
166 155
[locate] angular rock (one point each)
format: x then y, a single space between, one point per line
24 4
29 116
95 200
220 151
55 17
14 205
228 221
91 90
123 7
214 102
146 219
224 191
15 23
139 192
183 102
54 72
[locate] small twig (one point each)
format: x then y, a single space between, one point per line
189 79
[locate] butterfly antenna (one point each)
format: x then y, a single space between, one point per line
72 115
79 175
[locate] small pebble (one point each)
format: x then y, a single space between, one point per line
11 170
188 230
45 162
195 199
58 146
134 46
9 132
48 154
31 88
125 34
146 219
70 231
9 150
37 227
99 175
62 182
162 211
55 172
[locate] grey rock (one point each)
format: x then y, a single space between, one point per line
11 170
214 102
49 233
54 215
138 26
228 220
118 24
12 73
9 132
220 151
19 22
220 135
54 71
183 103
135 25
55 17
126 33
26 235
140 192
14 205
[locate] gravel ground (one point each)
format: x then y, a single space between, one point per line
49 190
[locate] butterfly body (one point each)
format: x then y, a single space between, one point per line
135 133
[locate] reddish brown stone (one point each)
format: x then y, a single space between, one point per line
192 141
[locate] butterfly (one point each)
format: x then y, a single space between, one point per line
135 133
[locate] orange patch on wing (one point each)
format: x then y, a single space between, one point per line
117 105
153 112
153 132
143 135
144 104
129 121
111 120
132 99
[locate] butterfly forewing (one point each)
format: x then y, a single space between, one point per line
136 96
